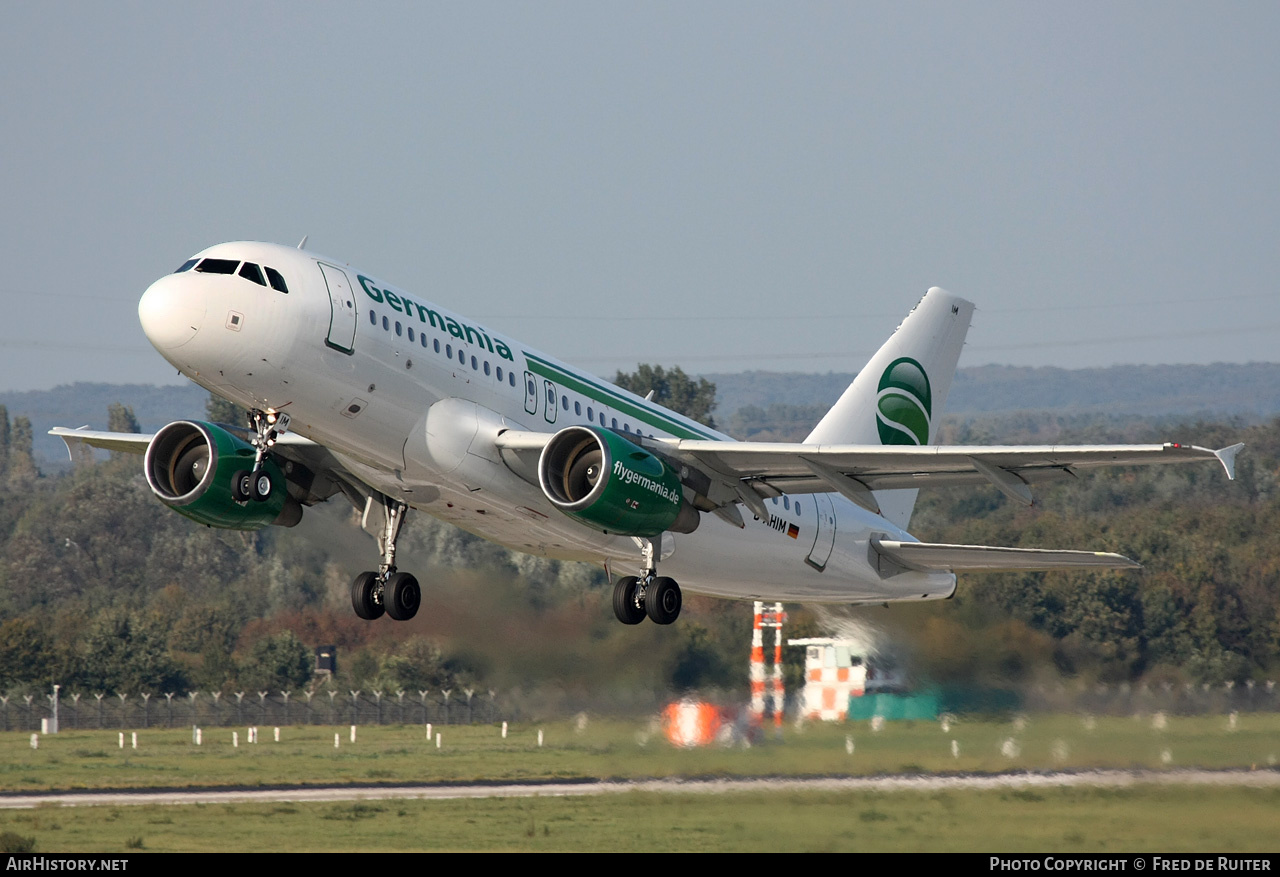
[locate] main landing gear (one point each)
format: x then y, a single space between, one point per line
255 484
652 595
395 593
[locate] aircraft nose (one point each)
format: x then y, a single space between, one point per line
171 311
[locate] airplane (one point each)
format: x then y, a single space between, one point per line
357 387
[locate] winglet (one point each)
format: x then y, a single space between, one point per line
68 438
1227 457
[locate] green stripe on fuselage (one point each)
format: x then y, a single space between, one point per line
612 399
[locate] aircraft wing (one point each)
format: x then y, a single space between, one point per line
933 556
856 470
129 442
291 446
326 474
750 471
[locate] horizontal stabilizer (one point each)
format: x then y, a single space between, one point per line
940 557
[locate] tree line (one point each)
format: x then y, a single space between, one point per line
104 589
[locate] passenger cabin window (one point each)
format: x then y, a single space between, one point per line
217 266
277 281
250 271
187 266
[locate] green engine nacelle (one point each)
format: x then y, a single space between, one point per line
599 477
190 465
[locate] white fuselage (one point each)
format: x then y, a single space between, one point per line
409 396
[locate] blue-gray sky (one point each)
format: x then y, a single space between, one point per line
725 186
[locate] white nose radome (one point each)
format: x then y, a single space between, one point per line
171 311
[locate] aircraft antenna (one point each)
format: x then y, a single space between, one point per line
302 244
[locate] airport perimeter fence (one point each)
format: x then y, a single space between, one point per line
98 711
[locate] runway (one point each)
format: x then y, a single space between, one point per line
1269 778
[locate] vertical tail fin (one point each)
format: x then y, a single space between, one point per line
898 395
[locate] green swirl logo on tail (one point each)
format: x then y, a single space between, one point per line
904 404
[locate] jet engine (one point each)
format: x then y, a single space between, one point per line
190 466
599 477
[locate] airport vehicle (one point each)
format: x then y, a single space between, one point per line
356 387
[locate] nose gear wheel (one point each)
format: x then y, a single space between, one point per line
255 484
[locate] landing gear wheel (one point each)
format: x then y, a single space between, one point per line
366 598
261 487
662 600
624 600
402 596
242 486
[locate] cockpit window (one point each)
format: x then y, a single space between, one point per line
187 266
218 266
277 281
252 272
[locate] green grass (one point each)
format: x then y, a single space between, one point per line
1041 819
614 749
1142 818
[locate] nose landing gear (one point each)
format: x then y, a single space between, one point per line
255 484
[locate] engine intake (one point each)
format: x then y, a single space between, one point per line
597 476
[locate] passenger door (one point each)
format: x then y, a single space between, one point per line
825 537
342 309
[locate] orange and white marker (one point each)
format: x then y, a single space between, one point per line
772 617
